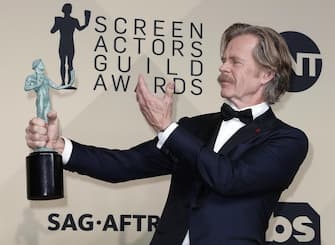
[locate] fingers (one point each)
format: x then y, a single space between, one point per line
53 129
33 143
156 110
52 119
144 98
169 90
142 91
37 125
52 116
36 133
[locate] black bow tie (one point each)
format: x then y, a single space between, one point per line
228 113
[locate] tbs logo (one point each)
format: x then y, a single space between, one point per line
294 224
306 60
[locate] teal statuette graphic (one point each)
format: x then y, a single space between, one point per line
44 166
40 83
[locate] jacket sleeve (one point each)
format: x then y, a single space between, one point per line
251 167
114 165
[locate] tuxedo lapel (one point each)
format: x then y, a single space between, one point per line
210 129
255 128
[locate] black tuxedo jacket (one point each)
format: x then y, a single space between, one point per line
223 198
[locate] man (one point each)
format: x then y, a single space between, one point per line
227 172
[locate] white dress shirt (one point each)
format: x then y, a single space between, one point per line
227 129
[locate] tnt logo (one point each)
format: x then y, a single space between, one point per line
294 224
306 60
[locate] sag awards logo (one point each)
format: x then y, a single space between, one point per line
294 224
306 59
161 49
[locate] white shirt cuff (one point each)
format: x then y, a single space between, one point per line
67 150
163 136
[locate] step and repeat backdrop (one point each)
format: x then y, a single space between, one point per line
108 44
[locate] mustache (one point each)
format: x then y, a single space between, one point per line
225 78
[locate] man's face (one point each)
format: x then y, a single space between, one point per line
242 80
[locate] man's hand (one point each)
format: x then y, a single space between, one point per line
42 134
156 110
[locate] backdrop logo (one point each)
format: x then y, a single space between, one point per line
294 224
124 46
110 223
66 26
306 58
156 47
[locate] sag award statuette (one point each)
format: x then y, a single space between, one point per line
44 165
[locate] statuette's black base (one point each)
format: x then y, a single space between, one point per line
44 175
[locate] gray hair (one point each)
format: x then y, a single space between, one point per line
271 52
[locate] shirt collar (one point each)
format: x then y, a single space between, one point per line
257 110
